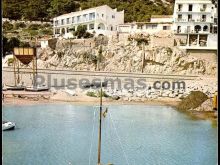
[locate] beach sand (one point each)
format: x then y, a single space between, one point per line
27 98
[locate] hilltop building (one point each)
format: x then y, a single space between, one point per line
101 20
157 23
195 24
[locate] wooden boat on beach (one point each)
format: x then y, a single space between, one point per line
15 87
36 88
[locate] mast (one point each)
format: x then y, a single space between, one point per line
36 65
14 62
100 127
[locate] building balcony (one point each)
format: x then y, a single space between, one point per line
203 9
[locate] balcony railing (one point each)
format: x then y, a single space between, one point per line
202 9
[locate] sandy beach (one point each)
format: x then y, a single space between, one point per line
27 98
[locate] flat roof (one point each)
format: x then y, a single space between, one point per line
161 16
86 10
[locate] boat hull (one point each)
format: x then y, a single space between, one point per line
8 126
31 89
15 88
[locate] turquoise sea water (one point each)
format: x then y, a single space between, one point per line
132 135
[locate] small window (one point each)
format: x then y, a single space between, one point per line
154 26
68 20
190 7
73 19
179 16
166 27
178 29
56 23
102 15
190 17
180 7
203 18
113 16
62 22
91 26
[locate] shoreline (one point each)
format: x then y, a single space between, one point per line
172 102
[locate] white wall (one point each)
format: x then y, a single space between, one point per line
169 19
212 40
44 43
109 18
196 14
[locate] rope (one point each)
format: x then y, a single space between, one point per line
93 128
118 138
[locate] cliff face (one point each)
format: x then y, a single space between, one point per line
124 56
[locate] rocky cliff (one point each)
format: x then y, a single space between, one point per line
124 56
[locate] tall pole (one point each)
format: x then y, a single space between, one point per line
35 52
14 62
143 58
100 128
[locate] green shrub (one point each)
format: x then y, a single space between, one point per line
24 44
19 25
88 35
91 94
10 61
47 25
192 101
34 26
33 32
47 31
103 94
7 26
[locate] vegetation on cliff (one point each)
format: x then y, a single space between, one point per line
135 10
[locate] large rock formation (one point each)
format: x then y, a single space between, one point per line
125 57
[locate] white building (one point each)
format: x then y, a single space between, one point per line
193 24
157 23
99 20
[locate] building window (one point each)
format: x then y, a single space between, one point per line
154 26
113 16
203 18
85 17
190 7
62 22
204 6
78 18
180 6
102 15
215 29
57 31
205 28
178 29
197 28
67 30
56 23
215 20
68 20
139 26
179 17
166 27
73 19
91 16
189 17
188 29
91 26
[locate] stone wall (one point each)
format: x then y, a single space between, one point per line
208 55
